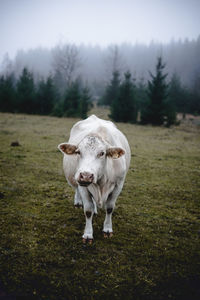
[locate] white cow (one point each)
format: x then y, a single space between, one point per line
96 160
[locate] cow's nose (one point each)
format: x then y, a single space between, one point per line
85 178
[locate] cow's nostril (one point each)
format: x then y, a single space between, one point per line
86 178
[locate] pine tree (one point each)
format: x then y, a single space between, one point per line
59 82
175 99
176 92
112 90
85 103
155 110
7 93
170 112
58 110
195 103
26 93
184 99
141 96
72 100
124 108
46 96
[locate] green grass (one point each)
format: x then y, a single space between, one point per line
155 251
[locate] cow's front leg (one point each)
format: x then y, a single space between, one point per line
107 226
89 212
77 199
109 206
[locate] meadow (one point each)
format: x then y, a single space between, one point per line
155 251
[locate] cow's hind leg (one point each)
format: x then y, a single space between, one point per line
77 199
89 209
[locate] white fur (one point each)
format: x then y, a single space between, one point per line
92 137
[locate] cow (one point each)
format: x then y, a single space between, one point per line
95 163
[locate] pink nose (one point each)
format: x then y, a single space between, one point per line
85 178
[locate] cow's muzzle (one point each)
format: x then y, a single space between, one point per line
85 178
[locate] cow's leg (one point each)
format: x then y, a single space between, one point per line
89 208
77 199
109 207
107 226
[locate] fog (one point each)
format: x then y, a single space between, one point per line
96 63
26 24
141 30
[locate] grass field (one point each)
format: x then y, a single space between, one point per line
155 251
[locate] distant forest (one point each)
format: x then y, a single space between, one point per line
72 77
96 64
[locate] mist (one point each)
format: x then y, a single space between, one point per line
42 23
31 31
95 68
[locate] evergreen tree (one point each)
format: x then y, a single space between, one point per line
170 112
72 100
141 95
46 97
58 110
195 103
26 94
176 93
183 98
59 82
85 103
155 110
7 93
176 99
112 90
124 108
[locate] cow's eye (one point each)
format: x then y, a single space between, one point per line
101 154
78 152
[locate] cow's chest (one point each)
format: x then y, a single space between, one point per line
100 193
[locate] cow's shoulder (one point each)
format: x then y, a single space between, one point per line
84 124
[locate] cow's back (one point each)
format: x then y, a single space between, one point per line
90 125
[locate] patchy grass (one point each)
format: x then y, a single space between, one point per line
155 252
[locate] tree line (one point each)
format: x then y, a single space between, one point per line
64 94
24 95
95 63
156 102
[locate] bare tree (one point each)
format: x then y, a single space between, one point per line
66 61
114 61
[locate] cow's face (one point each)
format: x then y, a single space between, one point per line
92 154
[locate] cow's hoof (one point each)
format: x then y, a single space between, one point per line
107 234
87 241
78 205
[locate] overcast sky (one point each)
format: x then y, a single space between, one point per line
28 24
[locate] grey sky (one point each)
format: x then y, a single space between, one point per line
28 24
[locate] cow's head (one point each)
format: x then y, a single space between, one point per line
92 154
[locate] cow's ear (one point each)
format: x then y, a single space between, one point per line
67 148
115 152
